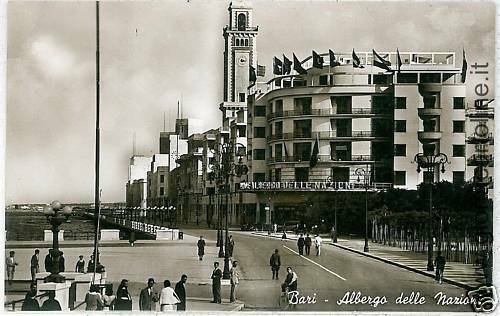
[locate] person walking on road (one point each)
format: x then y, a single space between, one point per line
168 298
307 244
300 244
290 281
275 263
216 276
235 280
201 248
10 264
148 297
230 245
317 242
80 265
180 290
35 264
123 298
440 262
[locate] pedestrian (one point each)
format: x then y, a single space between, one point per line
93 299
333 234
91 265
10 264
168 298
180 290
61 262
123 298
283 237
80 265
290 281
48 262
131 238
30 302
275 228
35 264
216 276
108 299
148 297
440 262
201 248
51 304
300 244
275 263
317 242
307 244
235 280
230 245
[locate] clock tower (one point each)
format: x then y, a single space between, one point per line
239 54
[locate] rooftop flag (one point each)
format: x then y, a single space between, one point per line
297 66
380 62
253 75
261 70
287 65
317 60
333 60
464 67
356 63
399 63
277 66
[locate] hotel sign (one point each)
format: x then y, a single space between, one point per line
310 186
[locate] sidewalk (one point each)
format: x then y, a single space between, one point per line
456 273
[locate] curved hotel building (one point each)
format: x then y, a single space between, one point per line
352 124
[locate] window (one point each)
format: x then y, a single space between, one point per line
382 79
323 80
162 178
242 97
302 128
458 177
400 103
400 126
259 132
302 151
242 22
260 110
302 174
278 107
458 103
278 129
278 152
259 154
458 126
340 151
162 191
303 105
340 174
237 42
277 175
458 150
246 42
259 177
399 177
430 78
344 127
407 78
343 104
399 149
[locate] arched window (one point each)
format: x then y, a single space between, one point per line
242 22
237 42
246 42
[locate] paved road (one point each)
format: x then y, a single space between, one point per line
329 277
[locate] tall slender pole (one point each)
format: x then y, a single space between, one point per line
430 244
97 142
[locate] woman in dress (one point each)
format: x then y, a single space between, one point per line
168 298
123 299
93 299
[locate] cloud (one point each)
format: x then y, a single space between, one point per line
52 58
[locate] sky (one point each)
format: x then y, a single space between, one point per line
156 53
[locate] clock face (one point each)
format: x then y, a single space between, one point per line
242 60
482 130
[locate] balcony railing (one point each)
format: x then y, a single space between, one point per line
325 135
480 160
323 112
479 139
321 158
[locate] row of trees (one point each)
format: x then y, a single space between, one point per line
461 218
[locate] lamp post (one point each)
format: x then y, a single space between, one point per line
429 161
56 215
334 237
360 172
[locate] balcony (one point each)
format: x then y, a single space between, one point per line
480 113
354 159
327 135
429 137
429 88
429 112
355 112
480 160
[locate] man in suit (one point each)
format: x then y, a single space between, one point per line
35 265
216 276
307 243
275 263
235 280
300 244
180 290
147 298
201 248
48 262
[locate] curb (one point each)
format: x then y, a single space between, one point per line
239 304
426 273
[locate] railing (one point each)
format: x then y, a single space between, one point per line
322 112
75 235
321 158
13 303
326 135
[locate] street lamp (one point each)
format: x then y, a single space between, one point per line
429 162
56 215
360 172
334 237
